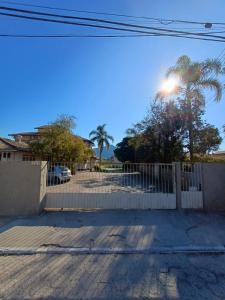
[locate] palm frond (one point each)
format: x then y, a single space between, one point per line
212 84
173 71
109 137
183 61
93 132
210 66
94 139
107 144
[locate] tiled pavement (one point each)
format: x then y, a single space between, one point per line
115 229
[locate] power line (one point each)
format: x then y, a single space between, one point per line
8 35
168 32
160 20
109 22
75 35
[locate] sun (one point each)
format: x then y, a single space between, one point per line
169 85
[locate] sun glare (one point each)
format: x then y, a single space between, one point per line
169 85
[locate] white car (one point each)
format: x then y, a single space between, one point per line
58 174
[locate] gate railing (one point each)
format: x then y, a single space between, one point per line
191 185
110 178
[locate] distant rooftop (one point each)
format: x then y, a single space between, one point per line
43 126
32 133
24 133
14 144
219 152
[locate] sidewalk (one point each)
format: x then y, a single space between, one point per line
125 230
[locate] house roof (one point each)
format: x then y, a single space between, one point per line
43 126
24 133
85 140
31 133
20 146
221 152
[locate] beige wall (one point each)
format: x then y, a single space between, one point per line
214 186
22 187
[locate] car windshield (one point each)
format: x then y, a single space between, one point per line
64 168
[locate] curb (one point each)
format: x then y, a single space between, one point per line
198 250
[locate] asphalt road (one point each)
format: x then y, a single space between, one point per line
113 276
126 277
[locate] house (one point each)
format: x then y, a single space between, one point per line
18 148
14 150
219 154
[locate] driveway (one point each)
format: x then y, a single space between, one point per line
108 182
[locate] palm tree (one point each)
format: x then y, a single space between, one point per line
101 136
193 78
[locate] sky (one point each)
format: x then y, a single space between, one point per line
110 81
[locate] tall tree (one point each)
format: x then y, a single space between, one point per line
207 139
58 144
125 152
66 122
193 78
101 136
157 138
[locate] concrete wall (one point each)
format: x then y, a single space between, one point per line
22 187
214 186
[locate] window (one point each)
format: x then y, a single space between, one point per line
5 156
28 158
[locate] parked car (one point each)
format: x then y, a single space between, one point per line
58 174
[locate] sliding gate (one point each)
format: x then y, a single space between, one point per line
111 186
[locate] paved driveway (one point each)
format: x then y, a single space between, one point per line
106 182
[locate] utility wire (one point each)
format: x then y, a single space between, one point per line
216 38
160 20
75 35
104 21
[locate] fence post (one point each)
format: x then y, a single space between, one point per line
178 184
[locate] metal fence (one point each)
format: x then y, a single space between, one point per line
111 185
191 185
117 185
111 177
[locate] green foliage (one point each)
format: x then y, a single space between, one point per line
194 77
163 135
58 144
101 136
66 122
206 139
156 138
125 151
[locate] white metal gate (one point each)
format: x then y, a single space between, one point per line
191 185
111 186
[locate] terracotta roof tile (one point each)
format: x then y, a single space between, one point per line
21 146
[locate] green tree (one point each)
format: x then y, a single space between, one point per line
194 78
125 152
207 139
102 138
66 122
157 138
58 144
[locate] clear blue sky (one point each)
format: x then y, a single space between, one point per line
98 81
